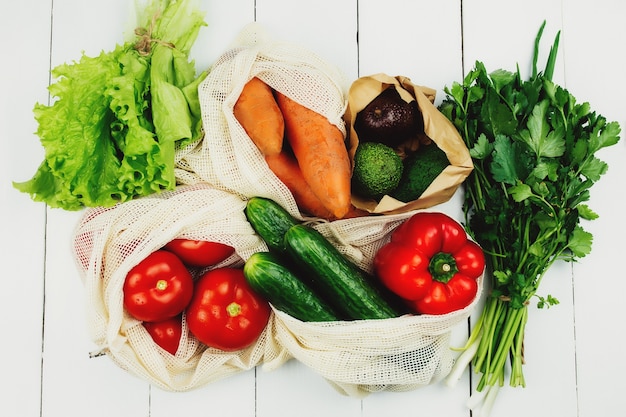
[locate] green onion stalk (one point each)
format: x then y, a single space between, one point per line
534 153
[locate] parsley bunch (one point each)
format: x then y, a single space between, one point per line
533 148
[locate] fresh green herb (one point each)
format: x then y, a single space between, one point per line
534 152
118 117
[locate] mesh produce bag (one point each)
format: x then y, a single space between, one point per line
226 157
365 356
108 242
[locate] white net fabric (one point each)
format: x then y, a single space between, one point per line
356 358
361 357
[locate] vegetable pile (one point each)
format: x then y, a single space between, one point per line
428 267
534 150
112 131
112 134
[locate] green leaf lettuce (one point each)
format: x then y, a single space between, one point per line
116 119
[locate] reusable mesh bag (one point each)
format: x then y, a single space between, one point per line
226 157
108 242
364 356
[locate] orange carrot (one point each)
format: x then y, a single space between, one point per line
286 168
257 112
320 150
356 212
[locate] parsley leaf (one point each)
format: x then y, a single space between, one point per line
539 136
510 162
580 242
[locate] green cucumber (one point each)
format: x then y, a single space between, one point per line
270 221
268 275
346 287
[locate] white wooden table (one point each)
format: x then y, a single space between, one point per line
573 351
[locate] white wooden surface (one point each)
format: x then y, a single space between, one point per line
573 351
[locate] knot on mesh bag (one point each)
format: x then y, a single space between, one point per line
226 157
365 356
108 242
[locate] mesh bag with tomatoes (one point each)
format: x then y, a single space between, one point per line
109 242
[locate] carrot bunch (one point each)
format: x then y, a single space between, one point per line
301 147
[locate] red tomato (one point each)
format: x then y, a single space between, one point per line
199 253
224 312
166 333
157 288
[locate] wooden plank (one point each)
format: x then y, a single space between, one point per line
224 22
549 341
407 38
23 78
501 42
74 384
234 395
294 389
328 29
595 59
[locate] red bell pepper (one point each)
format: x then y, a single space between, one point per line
431 263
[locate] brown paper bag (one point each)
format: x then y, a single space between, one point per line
436 128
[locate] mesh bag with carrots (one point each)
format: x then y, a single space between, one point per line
360 357
310 92
108 242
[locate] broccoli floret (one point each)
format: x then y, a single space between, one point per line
420 170
377 170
